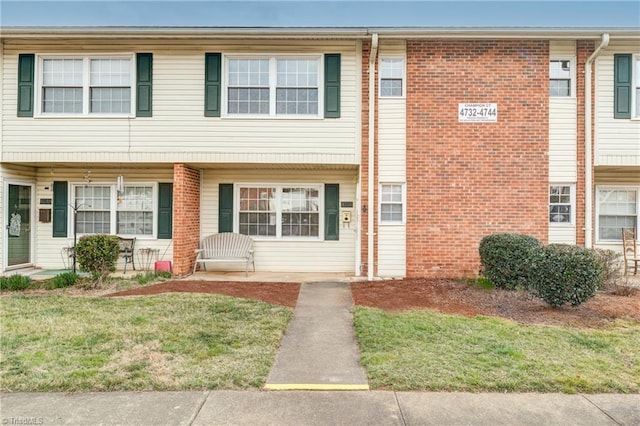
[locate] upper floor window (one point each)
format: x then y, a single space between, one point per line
273 86
85 86
617 208
392 203
560 78
391 77
561 201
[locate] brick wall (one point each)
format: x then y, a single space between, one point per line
186 217
468 180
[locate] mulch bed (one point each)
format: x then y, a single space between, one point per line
443 295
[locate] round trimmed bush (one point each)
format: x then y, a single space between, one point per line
506 259
98 254
563 273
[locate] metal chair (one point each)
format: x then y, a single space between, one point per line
127 246
629 250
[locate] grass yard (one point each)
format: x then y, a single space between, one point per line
426 350
164 342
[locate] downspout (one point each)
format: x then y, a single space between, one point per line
371 166
588 160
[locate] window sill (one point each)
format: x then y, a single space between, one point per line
82 116
271 117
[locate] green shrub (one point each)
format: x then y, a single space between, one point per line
66 279
14 283
610 267
98 254
149 276
506 259
564 273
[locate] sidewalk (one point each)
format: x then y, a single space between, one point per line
317 408
319 349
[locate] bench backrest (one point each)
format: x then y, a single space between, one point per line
226 244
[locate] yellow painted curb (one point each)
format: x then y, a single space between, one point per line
314 386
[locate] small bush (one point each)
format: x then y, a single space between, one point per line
98 254
14 283
563 274
610 267
67 279
506 259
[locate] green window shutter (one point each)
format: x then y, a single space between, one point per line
60 209
144 84
212 84
26 66
165 211
331 211
225 207
332 85
622 86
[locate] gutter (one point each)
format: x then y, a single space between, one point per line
588 158
371 166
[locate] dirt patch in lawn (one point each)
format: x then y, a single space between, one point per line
285 294
443 295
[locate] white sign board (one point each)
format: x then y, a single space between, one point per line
477 113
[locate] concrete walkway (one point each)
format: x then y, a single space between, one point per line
317 408
319 349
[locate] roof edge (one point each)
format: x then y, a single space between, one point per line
315 32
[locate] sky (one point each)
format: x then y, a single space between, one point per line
322 13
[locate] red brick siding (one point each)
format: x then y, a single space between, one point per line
186 217
467 180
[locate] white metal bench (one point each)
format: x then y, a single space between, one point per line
225 247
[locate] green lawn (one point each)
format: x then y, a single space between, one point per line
425 350
163 342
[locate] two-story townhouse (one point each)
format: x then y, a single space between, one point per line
335 149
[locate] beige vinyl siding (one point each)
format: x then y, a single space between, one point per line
48 249
392 130
178 130
288 255
562 234
10 173
562 140
617 141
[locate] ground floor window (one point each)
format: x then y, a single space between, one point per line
561 202
617 209
104 210
279 211
392 203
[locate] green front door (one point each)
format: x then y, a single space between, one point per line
18 226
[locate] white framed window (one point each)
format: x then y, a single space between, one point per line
561 204
617 208
273 86
84 86
104 210
392 77
392 210
562 77
279 211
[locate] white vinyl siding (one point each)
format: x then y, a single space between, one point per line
178 130
617 141
288 254
392 130
563 140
